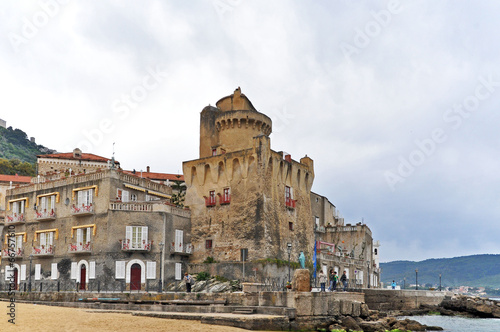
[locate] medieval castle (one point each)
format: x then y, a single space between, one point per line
84 222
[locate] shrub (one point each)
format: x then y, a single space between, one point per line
202 276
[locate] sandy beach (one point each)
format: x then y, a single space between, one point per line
32 317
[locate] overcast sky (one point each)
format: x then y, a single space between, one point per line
396 102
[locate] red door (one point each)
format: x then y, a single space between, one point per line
83 276
135 277
15 278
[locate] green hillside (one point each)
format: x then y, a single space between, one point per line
14 144
476 271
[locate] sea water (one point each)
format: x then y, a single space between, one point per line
460 324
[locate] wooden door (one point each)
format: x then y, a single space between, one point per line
135 277
83 277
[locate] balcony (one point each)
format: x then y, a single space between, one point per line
128 245
319 229
80 248
43 250
15 253
84 210
45 215
225 199
290 203
209 201
179 249
14 219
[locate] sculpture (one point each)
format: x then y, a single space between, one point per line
302 260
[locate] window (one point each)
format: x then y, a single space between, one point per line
137 237
226 196
152 198
210 200
316 220
48 203
290 226
92 270
83 236
214 152
244 255
151 270
179 237
53 271
289 201
122 195
120 270
38 271
178 271
208 244
85 197
18 207
133 197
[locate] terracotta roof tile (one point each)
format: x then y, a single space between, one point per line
69 155
15 178
157 176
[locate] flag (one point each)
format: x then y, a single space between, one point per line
314 260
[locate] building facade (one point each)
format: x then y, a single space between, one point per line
247 201
94 230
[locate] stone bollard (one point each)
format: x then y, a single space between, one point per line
301 281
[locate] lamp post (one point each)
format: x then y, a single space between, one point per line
160 285
29 279
368 264
416 279
440 282
404 283
289 250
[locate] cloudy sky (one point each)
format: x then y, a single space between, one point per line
397 103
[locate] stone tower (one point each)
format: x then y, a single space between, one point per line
246 200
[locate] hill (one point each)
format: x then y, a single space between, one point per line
14 144
475 271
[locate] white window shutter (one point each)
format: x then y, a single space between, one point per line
43 203
91 191
92 270
125 196
8 272
127 274
74 270
80 198
19 242
42 239
50 240
145 234
178 271
15 208
23 272
79 236
52 202
120 270
151 270
128 232
38 270
88 234
22 206
291 193
53 271
179 236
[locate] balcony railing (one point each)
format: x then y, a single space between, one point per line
209 201
16 253
83 210
128 245
290 203
319 229
80 248
45 215
15 219
186 249
225 199
43 250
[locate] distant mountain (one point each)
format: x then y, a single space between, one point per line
475 271
14 144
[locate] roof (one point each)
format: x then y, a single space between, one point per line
15 178
157 176
70 156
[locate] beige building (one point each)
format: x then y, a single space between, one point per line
94 230
247 201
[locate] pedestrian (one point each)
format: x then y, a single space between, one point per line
188 279
322 280
393 284
330 275
335 280
343 279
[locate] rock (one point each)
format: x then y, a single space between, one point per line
415 326
301 281
433 328
365 311
350 324
373 327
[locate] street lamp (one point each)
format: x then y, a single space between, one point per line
404 283
416 279
29 279
368 264
440 282
289 250
160 285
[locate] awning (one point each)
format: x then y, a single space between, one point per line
155 193
134 187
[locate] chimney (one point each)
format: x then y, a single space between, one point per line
147 169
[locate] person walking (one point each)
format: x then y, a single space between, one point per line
322 280
393 284
330 275
343 280
188 279
335 280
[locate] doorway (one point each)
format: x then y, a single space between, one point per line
83 277
135 277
